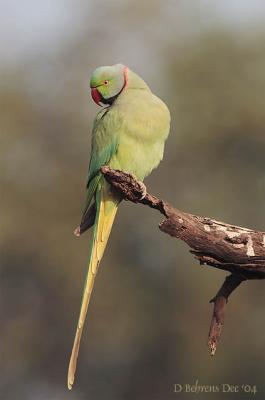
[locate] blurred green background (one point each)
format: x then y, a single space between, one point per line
149 317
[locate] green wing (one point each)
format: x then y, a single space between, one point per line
104 146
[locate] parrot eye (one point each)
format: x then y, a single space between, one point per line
106 82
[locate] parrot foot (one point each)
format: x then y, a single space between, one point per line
77 231
143 190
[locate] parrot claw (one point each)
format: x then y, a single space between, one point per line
143 190
77 231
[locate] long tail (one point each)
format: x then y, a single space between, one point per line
107 204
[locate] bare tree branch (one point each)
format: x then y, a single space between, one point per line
241 251
220 300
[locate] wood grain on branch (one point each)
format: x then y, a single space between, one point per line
241 251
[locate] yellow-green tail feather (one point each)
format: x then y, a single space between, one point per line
107 204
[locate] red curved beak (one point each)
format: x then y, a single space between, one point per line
96 96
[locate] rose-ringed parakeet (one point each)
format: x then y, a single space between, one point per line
129 135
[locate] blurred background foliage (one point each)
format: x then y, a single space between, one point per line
149 316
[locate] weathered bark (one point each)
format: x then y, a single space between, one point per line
241 251
220 300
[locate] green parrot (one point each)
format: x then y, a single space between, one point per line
128 134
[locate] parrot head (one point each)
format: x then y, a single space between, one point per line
107 83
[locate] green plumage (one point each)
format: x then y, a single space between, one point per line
129 134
